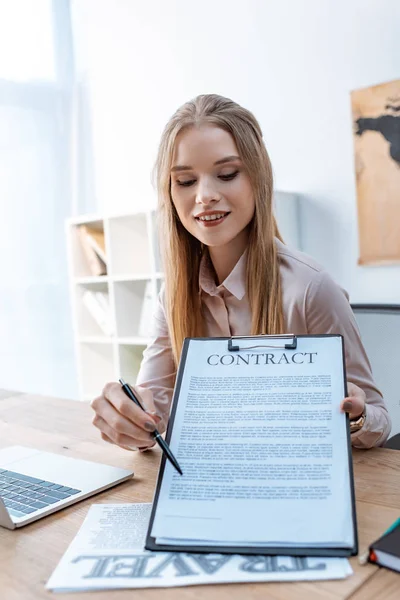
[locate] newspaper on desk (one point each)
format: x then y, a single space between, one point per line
107 553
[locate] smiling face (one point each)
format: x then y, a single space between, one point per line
211 190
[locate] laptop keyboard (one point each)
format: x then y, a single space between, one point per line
24 495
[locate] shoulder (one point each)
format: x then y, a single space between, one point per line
307 288
298 263
299 270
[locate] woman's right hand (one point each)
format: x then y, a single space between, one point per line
123 423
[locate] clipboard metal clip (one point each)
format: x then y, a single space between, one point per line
291 345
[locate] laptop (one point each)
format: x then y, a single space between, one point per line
34 484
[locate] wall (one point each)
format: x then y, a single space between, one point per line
292 63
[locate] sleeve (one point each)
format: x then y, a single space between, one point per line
328 311
157 370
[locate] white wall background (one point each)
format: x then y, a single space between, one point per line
292 63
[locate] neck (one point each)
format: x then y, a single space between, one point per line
224 258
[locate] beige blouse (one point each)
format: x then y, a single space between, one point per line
312 302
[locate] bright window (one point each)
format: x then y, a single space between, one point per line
26 40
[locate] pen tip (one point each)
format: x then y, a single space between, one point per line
122 382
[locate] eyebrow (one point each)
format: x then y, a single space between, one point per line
221 161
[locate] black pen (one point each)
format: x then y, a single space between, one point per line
155 434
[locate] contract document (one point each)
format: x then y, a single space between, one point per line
265 450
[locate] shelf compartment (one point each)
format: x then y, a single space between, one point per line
81 264
87 324
134 305
129 245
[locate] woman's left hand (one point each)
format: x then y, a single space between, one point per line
355 402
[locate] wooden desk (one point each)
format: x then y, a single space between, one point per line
29 555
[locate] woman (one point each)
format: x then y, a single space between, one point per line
228 272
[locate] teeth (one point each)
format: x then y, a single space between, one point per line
211 217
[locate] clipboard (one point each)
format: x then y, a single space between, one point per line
235 344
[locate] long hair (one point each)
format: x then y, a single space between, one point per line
182 252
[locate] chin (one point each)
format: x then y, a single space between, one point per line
218 244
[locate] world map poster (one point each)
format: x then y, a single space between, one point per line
376 128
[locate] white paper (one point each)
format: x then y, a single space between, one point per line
262 444
107 553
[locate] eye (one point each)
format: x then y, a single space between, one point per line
228 176
186 183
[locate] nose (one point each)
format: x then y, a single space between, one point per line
206 193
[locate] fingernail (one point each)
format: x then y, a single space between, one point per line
154 413
149 426
347 406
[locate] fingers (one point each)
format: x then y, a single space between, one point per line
130 448
121 421
354 404
146 398
119 429
109 441
109 434
159 421
354 391
127 408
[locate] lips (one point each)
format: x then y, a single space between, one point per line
211 216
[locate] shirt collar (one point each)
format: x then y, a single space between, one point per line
235 283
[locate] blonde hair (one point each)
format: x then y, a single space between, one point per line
181 252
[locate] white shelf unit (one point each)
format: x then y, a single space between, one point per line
133 269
